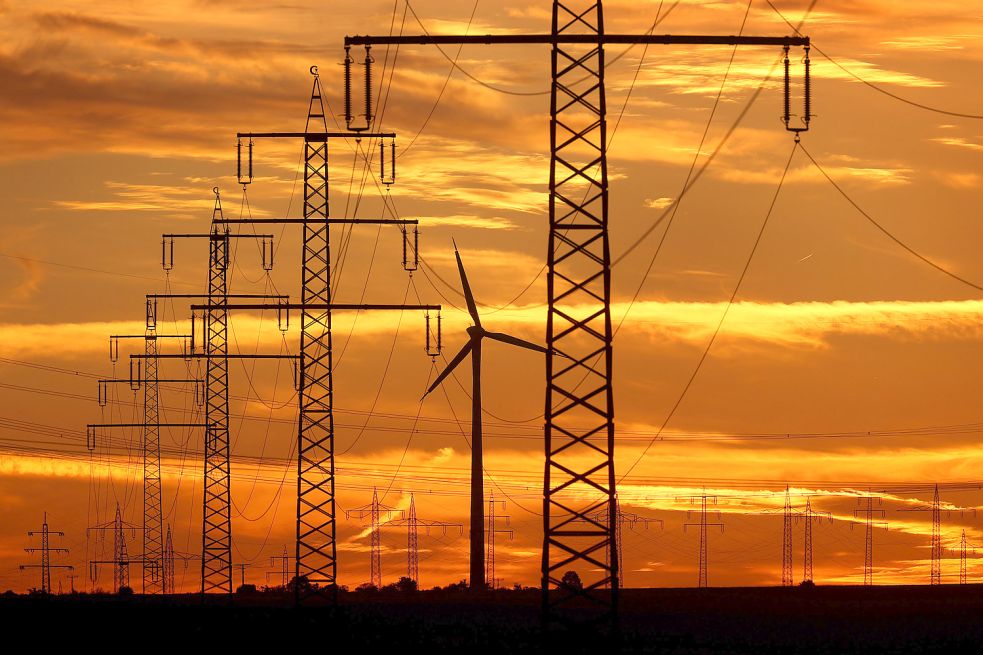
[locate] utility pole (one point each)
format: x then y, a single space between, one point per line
869 512
811 515
490 579
242 572
374 511
704 540
45 551
579 403
316 525
121 560
413 524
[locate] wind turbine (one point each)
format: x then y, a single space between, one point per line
473 347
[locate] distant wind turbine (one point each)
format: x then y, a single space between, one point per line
473 347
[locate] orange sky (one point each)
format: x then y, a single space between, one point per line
115 124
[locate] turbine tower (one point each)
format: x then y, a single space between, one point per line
473 347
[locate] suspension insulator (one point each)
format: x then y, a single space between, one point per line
368 86
194 319
167 253
348 86
808 90
391 177
113 349
135 374
807 97
103 393
90 437
411 250
199 393
296 370
188 345
151 313
433 350
248 177
283 318
267 254
786 116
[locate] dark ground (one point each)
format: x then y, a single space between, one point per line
746 620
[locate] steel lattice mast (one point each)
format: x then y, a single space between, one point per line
375 510
579 478
216 550
153 527
317 550
46 551
413 524
787 575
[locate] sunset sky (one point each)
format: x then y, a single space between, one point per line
846 364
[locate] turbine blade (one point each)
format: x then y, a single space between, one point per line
516 341
468 296
451 366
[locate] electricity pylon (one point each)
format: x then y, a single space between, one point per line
579 444
316 524
413 525
631 520
964 547
46 551
868 511
493 530
809 516
473 347
935 576
374 511
121 560
703 580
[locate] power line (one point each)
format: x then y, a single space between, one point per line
873 86
887 232
723 316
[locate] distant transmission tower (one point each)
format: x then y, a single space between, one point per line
493 529
413 525
937 549
868 511
168 563
121 560
281 567
811 515
375 511
45 551
787 579
623 518
703 525
964 547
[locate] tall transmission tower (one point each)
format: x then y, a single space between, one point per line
935 576
869 513
121 559
316 526
476 334
809 516
579 404
703 581
413 525
493 529
46 550
375 511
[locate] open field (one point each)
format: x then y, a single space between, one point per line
728 620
